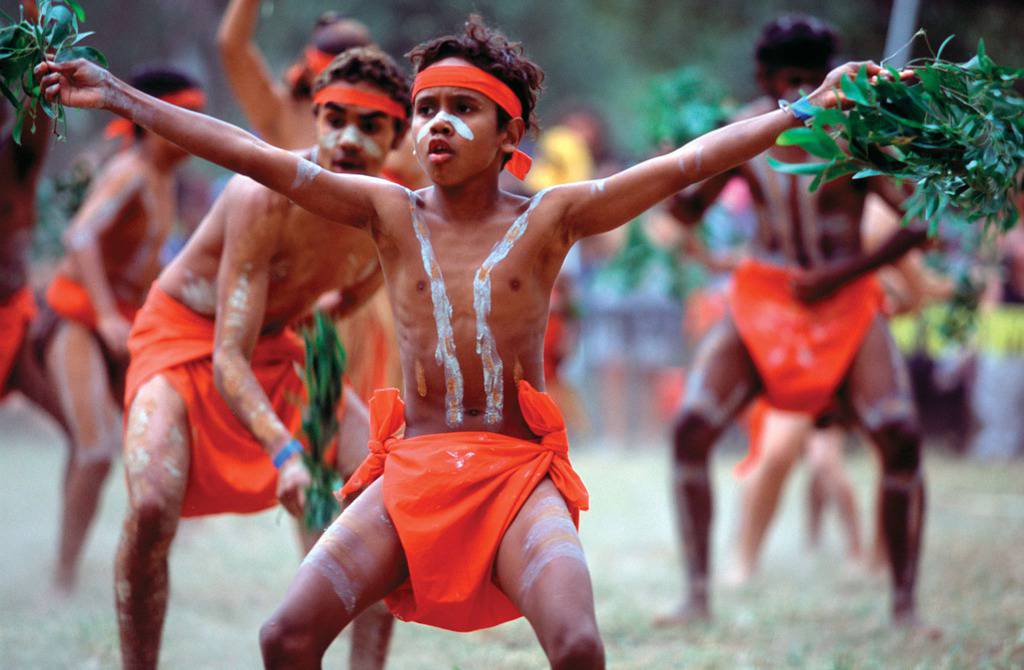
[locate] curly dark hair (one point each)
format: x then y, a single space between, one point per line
796 40
372 66
492 52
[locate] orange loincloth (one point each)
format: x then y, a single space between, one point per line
15 314
71 301
229 471
801 351
452 496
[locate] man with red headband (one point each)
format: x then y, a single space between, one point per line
113 245
214 391
279 113
469 504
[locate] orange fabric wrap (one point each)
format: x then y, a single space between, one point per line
71 301
475 79
452 496
228 470
15 314
802 351
350 95
755 420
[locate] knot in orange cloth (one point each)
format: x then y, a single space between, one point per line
455 494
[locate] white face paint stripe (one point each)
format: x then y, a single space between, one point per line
486 346
353 135
445 353
458 124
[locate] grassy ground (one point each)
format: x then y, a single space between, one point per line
802 611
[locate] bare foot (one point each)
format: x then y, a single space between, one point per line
684 615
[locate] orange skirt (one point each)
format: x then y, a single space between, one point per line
455 494
802 351
71 301
15 314
229 471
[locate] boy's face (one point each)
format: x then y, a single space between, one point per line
456 132
787 82
354 139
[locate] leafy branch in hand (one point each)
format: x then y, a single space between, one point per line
24 43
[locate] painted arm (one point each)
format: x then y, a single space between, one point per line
113 189
599 206
348 199
242 282
260 96
819 283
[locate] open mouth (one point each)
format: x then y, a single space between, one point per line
349 164
439 151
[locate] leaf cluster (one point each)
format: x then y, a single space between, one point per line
640 259
683 105
25 43
325 367
956 130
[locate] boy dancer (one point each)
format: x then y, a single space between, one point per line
804 327
113 250
217 320
468 517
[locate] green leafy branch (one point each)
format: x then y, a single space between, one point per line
684 104
956 130
25 43
325 367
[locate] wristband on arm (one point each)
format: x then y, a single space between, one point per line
802 110
293 447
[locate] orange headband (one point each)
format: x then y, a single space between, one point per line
189 98
350 95
475 79
318 60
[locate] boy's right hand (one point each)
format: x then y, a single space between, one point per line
76 83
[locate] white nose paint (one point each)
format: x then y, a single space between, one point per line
352 135
458 124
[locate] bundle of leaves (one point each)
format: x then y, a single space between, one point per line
325 366
25 43
683 105
955 129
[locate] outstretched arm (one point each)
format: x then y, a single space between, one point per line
260 96
113 189
347 199
242 283
599 206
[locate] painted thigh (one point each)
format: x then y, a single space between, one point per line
157 447
541 566
878 387
75 365
356 562
723 378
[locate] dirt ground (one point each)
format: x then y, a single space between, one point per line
802 611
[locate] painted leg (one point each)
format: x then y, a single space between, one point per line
541 567
371 630
879 390
156 464
723 380
784 437
31 379
355 564
76 365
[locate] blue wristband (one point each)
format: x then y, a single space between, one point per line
802 109
293 447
